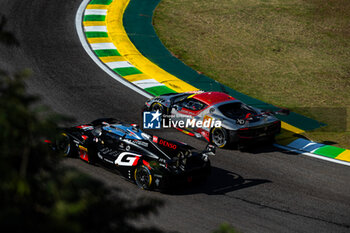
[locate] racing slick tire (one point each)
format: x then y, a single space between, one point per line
220 137
158 107
65 145
143 177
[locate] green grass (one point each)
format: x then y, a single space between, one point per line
294 54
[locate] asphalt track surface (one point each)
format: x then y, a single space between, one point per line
264 190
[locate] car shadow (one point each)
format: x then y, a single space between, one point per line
256 148
220 182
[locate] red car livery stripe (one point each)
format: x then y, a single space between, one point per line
210 98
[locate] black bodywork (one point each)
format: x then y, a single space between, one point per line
149 161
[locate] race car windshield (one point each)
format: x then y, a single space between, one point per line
181 98
236 110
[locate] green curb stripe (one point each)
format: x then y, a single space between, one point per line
127 71
96 34
94 18
159 90
124 71
329 151
100 2
106 52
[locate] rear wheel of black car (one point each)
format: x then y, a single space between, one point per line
64 144
143 177
219 136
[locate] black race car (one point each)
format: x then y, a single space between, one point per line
151 162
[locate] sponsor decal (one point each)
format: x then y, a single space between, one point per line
162 160
155 139
205 134
240 121
167 144
141 143
127 159
157 181
83 153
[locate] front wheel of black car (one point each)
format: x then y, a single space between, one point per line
143 177
220 137
158 107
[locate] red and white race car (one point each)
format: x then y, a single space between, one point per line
215 116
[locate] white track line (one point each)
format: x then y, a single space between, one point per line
147 83
102 46
119 64
95 12
86 46
95 29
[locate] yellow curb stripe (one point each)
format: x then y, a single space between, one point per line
291 128
96 6
99 40
136 77
112 59
126 48
345 156
94 23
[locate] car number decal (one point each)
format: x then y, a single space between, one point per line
127 159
